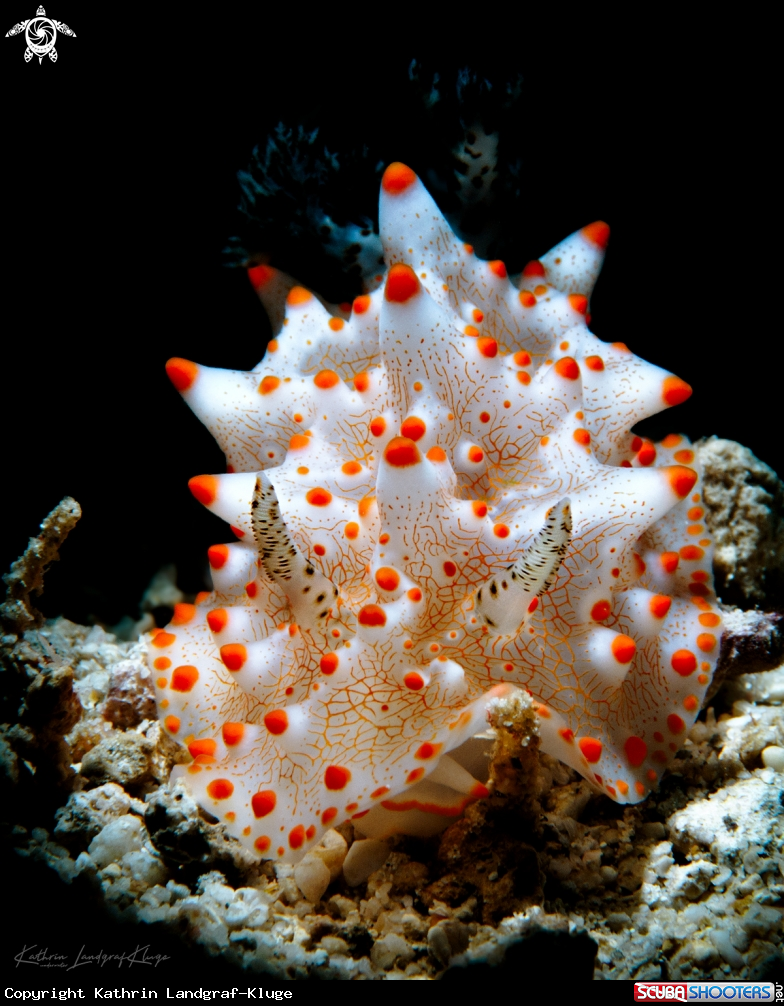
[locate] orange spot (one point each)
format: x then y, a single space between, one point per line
621 347
259 275
567 367
637 443
487 347
318 497
611 790
544 712
484 417
217 619
659 605
500 530
695 513
691 703
578 302
397 178
402 284
615 571
533 605
534 268
326 379
401 452
272 345
233 733
675 724
336 777
427 750
672 440
220 789
567 734
700 576
623 649
417 385
450 569
709 620
204 488
706 642
523 377
365 505
640 789
161 664
262 843
383 538
675 391
623 787
240 533
669 561
297 837
414 681
202 596
336 324
591 748
413 427
582 437
521 359
201 748
415 775
233 655
298 295
594 363
600 611
319 549
298 442
184 678
329 663
183 613
471 332
361 382
372 615
377 426
478 316
387 578
527 299
276 721
361 304
475 454
268 385
251 589
172 724
479 507
683 662
414 594
436 454
636 751
597 233
351 530
681 479
498 268
182 373
647 454
691 552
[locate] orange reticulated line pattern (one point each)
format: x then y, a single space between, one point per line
415 441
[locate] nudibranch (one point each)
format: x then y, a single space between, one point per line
435 495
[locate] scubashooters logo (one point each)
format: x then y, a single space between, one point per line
41 34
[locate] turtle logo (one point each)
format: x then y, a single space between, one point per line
41 33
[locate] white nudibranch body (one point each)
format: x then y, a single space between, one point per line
435 496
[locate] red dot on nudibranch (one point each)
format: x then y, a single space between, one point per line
184 678
706 641
415 775
183 613
387 578
268 385
684 457
594 363
372 615
636 751
233 733
263 802
659 605
220 789
497 268
427 750
361 304
527 299
709 619
567 367
600 611
534 268
402 284
397 178
162 639
262 843
675 724
336 324
259 275
450 568
401 452
436 454
329 663
233 656
329 815
578 302
623 649
217 619
414 681
298 295
591 748
172 724
597 233
582 437
318 497
217 556
683 662
325 379
681 479
336 777
361 381
377 426
276 721
413 427
182 373
487 347
675 391
297 837
204 488
200 748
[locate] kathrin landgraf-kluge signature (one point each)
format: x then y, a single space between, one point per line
42 958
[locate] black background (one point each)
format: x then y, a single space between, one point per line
120 193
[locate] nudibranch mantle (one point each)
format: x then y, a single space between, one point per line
386 462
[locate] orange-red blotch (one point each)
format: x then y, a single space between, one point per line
329 663
220 789
336 324
427 750
594 363
402 452
204 488
681 479
623 649
298 442
636 751
527 299
351 468
397 178
163 663
259 275
184 678
500 530
252 588
336 777
298 295
582 437
685 457
521 359
534 268
475 454
479 507
414 681
487 347
600 611
450 568
183 613
497 268
172 724
436 454
262 843
361 304
699 589
351 530
387 578
361 381
297 837
325 379
365 505
329 815
591 748
691 552
402 284
691 703
578 302
377 426
200 748
268 385
233 656
675 724
567 367
372 615
659 605
683 662
647 454
318 497
182 373
669 561
162 639
233 733
597 233
567 734
218 619
415 775
378 793
706 642
709 619
675 391
413 427
414 594
276 721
